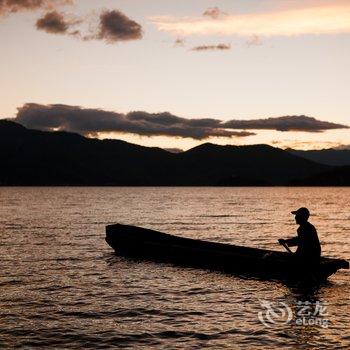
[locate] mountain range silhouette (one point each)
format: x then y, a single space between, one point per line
39 158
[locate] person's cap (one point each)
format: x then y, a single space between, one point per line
301 211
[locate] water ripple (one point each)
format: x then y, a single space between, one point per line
62 287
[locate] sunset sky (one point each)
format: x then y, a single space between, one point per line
191 71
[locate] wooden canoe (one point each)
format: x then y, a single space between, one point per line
141 243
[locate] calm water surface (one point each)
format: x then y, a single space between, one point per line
61 286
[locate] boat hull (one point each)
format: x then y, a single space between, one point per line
141 243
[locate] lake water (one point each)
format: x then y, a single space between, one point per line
63 287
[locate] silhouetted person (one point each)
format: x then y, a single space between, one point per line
309 250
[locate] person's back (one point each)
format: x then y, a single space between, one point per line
309 247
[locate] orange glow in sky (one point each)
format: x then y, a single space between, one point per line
281 58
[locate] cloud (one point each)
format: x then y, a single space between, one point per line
342 147
115 26
309 145
286 123
90 122
13 6
214 13
211 47
55 23
326 18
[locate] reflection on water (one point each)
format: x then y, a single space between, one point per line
61 285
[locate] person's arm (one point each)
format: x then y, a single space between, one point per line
291 242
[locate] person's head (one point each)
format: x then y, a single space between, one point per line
301 215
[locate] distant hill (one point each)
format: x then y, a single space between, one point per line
339 176
244 165
32 157
334 157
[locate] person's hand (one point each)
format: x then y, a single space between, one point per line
282 241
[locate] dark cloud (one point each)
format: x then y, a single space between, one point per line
55 22
93 121
88 121
214 12
12 6
211 47
286 123
115 26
